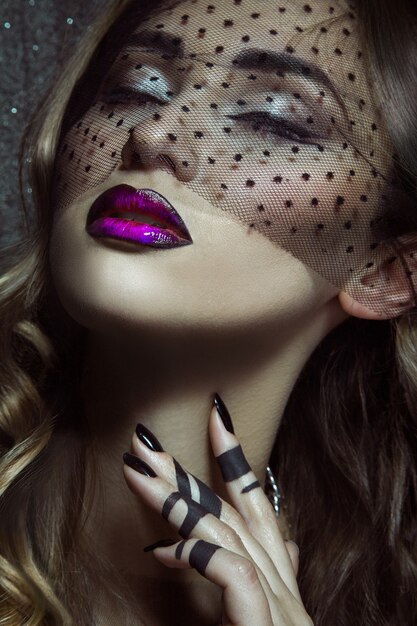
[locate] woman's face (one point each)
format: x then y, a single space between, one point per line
250 188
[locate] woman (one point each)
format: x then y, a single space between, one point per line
234 338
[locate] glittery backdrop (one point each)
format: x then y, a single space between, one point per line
34 36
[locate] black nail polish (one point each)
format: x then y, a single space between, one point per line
162 543
224 413
148 438
137 464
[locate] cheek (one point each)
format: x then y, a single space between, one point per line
316 199
307 203
73 279
91 151
228 278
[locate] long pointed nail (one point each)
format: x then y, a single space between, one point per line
162 543
224 413
148 438
138 465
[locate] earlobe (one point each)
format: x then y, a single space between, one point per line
356 309
390 287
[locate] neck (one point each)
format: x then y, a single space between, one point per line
166 381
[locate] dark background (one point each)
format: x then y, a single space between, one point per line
33 34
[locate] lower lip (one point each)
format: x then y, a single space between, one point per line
137 232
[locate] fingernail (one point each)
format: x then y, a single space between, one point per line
223 413
137 464
148 438
162 543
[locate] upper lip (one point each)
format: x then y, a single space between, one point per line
149 202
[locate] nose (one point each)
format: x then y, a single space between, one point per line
157 143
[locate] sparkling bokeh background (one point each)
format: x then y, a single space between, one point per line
35 36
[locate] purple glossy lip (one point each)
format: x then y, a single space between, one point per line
126 199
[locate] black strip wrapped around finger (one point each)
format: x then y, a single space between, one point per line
194 514
169 503
253 485
201 554
233 464
207 498
179 549
182 480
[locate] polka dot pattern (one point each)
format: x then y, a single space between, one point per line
264 109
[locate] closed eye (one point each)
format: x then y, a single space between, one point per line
267 123
123 95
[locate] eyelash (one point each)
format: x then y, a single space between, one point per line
125 94
258 120
272 125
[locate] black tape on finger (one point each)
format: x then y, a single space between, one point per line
201 554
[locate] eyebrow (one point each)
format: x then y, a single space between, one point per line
159 41
281 62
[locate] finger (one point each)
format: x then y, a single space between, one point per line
145 444
248 497
293 551
245 602
189 518
190 486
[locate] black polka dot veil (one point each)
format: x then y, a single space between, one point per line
264 108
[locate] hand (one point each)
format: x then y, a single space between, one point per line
237 546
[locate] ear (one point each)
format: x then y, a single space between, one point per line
391 290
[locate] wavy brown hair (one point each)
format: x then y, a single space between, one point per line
350 422
351 419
